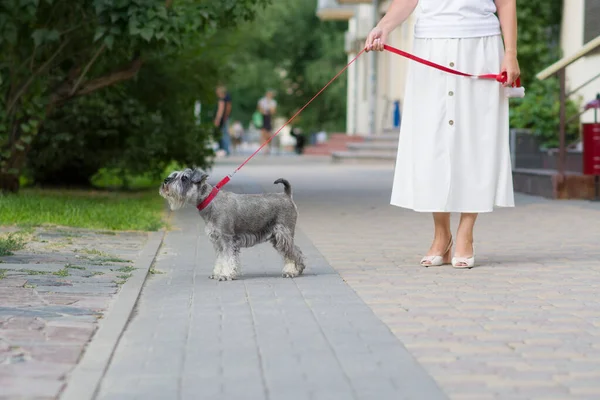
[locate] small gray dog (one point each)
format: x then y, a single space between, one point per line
234 221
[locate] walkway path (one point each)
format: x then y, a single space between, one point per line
525 324
260 337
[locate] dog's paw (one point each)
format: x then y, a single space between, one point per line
291 274
290 270
221 278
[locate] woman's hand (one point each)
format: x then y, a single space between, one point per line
510 65
376 39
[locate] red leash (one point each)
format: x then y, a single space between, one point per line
224 181
500 78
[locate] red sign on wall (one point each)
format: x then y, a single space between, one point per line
591 149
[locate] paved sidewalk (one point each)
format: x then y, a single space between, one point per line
259 337
525 324
52 294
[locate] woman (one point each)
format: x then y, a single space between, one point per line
267 107
453 151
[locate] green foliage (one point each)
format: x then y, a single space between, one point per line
539 111
10 243
539 33
287 48
57 50
538 36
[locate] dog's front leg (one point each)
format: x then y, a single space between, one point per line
231 263
218 268
227 264
219 248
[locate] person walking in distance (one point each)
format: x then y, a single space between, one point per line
267 106
222 118
453 151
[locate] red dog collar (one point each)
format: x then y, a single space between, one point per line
212 194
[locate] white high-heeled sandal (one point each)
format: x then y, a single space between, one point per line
436 261
464 262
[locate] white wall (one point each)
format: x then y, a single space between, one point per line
585 68
391 75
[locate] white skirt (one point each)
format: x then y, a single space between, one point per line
453 151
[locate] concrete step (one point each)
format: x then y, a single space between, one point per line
388 146
345 137
358 156
320 151
382 137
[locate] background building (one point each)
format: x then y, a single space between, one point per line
580 24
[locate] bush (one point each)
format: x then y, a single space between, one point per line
539 111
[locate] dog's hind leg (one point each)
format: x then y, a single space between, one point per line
283 241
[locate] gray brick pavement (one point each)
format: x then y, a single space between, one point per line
525 324
52 293
260 337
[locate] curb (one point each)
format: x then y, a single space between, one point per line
84 381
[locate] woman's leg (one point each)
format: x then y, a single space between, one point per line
442 236
464 235
264 136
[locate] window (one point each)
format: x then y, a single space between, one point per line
591 21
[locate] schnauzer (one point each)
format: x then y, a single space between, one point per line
234 221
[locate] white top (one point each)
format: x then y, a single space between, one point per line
266 105
456 19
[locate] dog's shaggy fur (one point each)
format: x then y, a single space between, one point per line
234 221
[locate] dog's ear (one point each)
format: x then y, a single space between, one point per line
198 176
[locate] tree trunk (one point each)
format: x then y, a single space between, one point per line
13 164
9 183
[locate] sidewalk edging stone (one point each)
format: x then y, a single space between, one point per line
85 378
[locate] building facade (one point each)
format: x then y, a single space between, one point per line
580 24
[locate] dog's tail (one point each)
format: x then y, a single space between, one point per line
286 185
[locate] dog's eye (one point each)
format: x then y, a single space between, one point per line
184 178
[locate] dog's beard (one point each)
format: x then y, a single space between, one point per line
172 193
175 203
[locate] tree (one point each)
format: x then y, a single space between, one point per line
54 51
539 33
289 49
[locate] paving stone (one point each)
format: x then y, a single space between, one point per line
43 333
285 338
530 306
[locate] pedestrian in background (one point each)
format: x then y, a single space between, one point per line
237 136
222 118
267 106
453 151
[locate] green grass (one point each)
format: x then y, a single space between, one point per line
62 272
103 257
2 273
33 272
140 211
10 243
